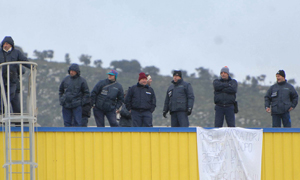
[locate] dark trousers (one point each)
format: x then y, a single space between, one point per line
84 122
141 118
72 113
15 103
12 94
179 119
110 115
228 112
286 120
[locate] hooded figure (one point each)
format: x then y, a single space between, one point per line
8 53
73 93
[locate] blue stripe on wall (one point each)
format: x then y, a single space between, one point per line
134 129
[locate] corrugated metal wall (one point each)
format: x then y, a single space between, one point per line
144 155
281 156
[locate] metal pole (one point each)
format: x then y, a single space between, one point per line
22 122
7 114
31 124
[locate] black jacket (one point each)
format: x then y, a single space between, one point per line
141 98
281 96
125 120
225 91
107 95
179 97
13 55
73 91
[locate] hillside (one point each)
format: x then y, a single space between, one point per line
250 98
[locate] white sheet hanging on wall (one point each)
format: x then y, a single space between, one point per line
229 153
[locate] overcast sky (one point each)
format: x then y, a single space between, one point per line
251 37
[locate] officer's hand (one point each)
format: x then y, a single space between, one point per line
165 114
189 111
291 109
268 110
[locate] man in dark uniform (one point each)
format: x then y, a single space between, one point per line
10 54
280 100
73 93
141 102
225 95
179 101
107 96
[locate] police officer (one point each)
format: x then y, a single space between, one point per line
225 90
8 53
141 102
107 96
179 101
280 100
73 93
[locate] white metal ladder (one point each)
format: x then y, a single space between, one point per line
26 119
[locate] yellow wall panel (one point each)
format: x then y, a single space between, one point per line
98 156
296 155
88 152
141 156
155 156
193 157
60 168
164 156
125 152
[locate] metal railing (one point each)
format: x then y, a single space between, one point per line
26 117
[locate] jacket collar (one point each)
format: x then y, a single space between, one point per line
178 82
109 81
140 85
224 80
74 77
281 83
7 50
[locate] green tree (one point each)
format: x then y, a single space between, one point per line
254 82
204 73
151 70
39 55
85 59
126 66
98 63
50 54
67 58
261 78
42 55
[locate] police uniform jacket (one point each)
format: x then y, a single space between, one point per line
179 97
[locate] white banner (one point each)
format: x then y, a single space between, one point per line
229 153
